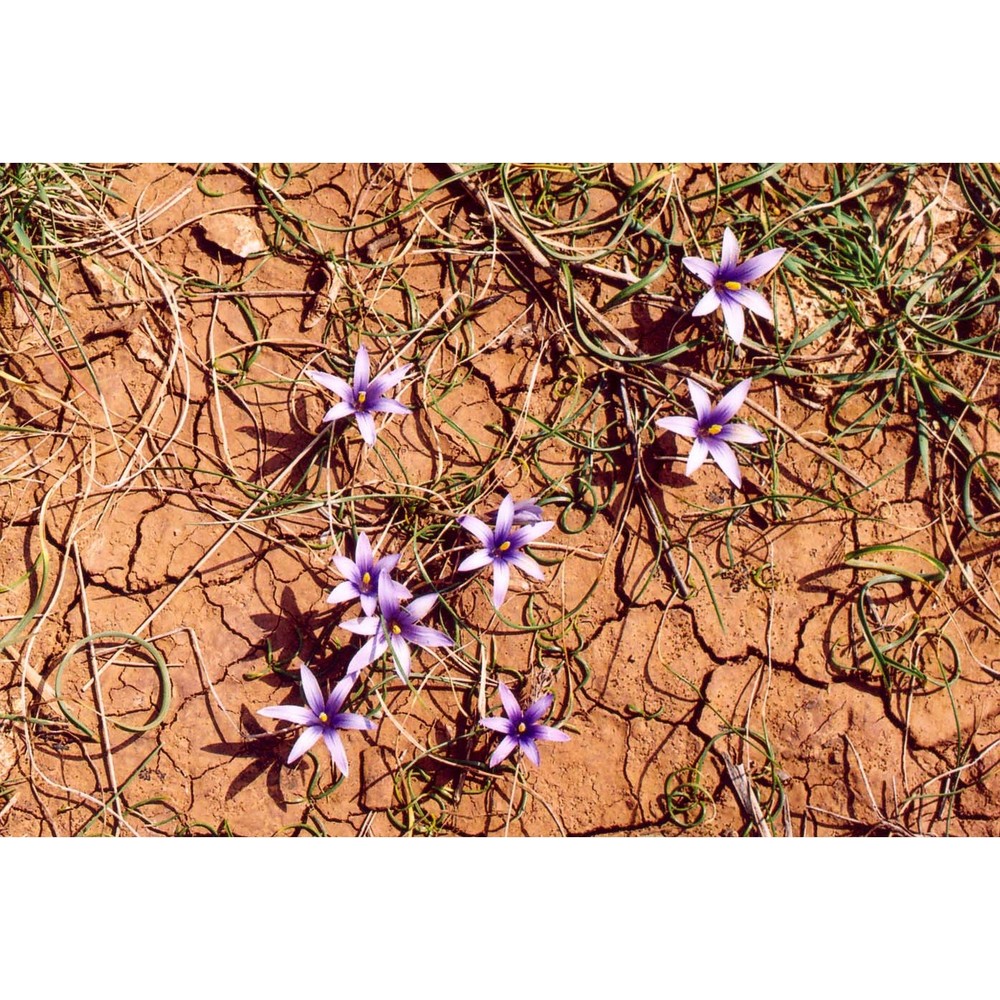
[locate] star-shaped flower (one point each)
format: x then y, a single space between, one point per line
728 280
521 729
365 397
502 546
713 429
361 575
394 627
322 718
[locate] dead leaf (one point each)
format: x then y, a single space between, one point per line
236 234
325 282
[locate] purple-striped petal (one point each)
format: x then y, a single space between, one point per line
700 399
369 605
366 425
296 714
699 452
527 533
730 252
363 557
740 434
305 742
384 405
732 312
388 596
539 708
337 412
505 517
685 426
351 720
730 403
756 267
755 302
483 532
502 752
421 635
704 269
339 695
310 688
726 460
362 370
477 560
527 565
400 655
530 750
549 733
501 581
347 568
362 626
511 705
421 606
336 747
367 655
330 382
386 380
708 303
345 591
496 724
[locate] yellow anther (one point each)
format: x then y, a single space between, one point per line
733 286
362 396
323 717
366 579
714 429
521 727
396 629
503 547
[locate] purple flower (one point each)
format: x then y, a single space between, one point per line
525 512
728 280
321 718
521 729
502 547
394 627
712 429
365 397
361 575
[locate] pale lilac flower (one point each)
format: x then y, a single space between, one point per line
502 547
394 627
362 575
322 718
712 429
365 397
521 729
728 280
525 512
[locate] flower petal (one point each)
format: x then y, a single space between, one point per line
421 635
474 526
388 596
345 591
400 655
708 303
756 267
505 518
310 688
527 533
363 558
732 312
549 733
530 750
501 581
510 703
730 251
496 724
362 370
502 752
386 380
384 405
476 561
699 452
305 742
730 403
366 425
755 302
726 460
700 399
362 626
347 568
331 382
337 412
369 605
367 655
704 269
527 565
339 694
685 426
351 720
741 434
421 606
297 714
336 747
539 708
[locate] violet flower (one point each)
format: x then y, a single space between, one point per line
394 627
521 729
525 512
322 718
728 280
365 397
502 547
712 429
362 575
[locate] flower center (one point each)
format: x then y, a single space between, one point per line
362 396
733 286
366 579
714 429
521 729
395 629
324 718
503 546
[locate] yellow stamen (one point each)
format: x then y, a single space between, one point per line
503 547
521 728
323 717
714 429
362 396
733 286
396 629
366 579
